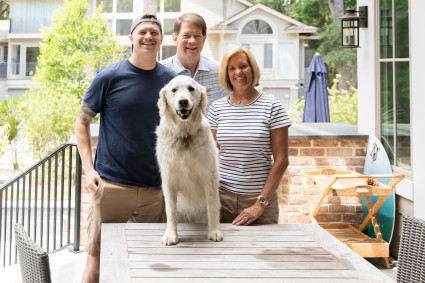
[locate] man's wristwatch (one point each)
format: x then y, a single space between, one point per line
263 200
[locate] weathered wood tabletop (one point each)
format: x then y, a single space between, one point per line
264 253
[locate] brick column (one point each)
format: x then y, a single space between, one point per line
312 154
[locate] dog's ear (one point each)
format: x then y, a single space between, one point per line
204 99
162 102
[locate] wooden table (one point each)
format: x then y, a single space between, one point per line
265 253
334 182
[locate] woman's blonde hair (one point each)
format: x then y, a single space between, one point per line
224 78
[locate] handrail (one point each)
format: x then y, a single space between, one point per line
38 163
36 199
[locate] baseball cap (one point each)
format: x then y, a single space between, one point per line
138 20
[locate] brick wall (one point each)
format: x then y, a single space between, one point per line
304 155
312 154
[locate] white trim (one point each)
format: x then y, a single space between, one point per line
266 9
405 189
246 3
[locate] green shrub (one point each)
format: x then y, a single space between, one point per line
343 105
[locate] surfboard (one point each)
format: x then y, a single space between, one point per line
377 162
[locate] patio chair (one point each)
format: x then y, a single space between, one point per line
411 254
34 260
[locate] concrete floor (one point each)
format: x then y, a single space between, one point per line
390 272
65 267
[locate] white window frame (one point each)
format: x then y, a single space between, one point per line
267 39
22 61
114 16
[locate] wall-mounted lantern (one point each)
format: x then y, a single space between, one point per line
350 24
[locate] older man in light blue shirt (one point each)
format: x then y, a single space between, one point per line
190 33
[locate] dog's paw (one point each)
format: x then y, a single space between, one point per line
215 235
169 239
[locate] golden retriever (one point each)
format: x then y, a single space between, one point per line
187 158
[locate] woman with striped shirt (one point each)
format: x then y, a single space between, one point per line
251 131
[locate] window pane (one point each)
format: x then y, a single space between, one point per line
168 26
158 6
171 5
16 59
386 29
403 114
401 26
268 55
124 6
110 25
246 46
31 60
257 50
257 27
107 5
5 53
168 51
285 59
387 106
123 27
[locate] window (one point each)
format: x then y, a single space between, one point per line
16 59
30 16
257 27
394 73
5 49
124 6
123 27
31 60
167 51
263 52
169 26
285 59
107 5
169 5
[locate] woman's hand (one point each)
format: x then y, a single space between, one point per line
249 215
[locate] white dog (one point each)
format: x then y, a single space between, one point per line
187 157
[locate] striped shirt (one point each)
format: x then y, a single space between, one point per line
243 134
206 74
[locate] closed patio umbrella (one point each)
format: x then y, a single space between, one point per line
316 107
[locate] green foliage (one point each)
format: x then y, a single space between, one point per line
10 128
343 104
329 46
310 12
295 111
72 49
4 9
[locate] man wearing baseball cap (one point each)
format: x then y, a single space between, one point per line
124 180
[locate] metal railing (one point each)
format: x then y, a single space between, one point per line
28 25
46 199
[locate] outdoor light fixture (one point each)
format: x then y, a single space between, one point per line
350 24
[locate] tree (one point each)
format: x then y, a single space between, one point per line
325 15
4 9
10 125
72 49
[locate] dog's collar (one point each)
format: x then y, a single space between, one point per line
186 140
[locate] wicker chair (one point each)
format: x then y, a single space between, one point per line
34 261
411 254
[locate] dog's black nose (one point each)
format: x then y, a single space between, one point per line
183 103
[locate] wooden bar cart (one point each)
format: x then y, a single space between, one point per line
334 182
